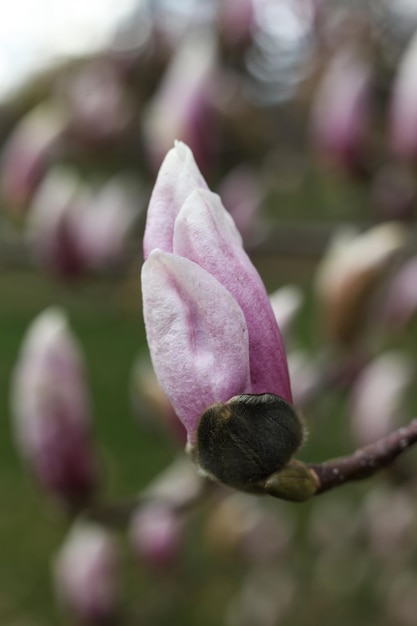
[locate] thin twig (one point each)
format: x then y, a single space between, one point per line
365 461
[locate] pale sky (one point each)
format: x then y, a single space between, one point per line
34 32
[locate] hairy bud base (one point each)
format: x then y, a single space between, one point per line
242 442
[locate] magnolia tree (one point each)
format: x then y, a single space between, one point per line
229 380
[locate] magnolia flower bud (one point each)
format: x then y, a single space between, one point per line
349 272
403 113
241 194
26 154
156 534
105 223
97 102
378 395
86 572
73 229
286 302
52 223
341 112
304 373
214 339
210 326
400 300
180 107
235 19
51 411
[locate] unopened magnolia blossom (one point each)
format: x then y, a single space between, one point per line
26 154
73 228
156 531
341 111
348 273
210 326
213 337
403 106
86 574
51 410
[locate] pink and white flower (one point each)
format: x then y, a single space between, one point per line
211 330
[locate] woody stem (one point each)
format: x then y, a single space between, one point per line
365 461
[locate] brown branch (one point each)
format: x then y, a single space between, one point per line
365 461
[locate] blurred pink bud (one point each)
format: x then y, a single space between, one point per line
403 109
235 21
210 326
180 108
286 302
348 273
241 194
51 410
150 403
400 299
104 224
86 574
27 153
378 397
97 102
52 228
304 375
156 533
341 112
73 229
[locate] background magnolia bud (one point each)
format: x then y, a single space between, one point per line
242 196
341 111
98 104
52 223
348 274
51 410
73 228
156 534
27 153
400 301
378 396
403 108
86 572
286 302
244 441
180 107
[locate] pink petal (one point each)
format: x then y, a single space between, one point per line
86 574
197 336
51 409
403 106
177 178
341 111
206 234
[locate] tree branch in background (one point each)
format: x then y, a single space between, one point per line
365 461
